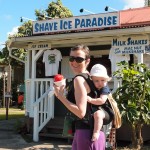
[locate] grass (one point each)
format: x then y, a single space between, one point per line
16 113
13 113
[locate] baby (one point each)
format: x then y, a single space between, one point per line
99 105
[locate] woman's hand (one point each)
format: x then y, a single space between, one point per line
59 91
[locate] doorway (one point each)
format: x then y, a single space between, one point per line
104 60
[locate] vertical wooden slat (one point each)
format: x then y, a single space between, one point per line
41 112
41 88
36 127
36 89
45 107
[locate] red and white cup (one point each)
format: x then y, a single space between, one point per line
59 80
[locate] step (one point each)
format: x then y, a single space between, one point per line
56 123
51 135
54 131
54 135
54 126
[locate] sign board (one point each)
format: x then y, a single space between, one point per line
87 22
8 94
147 48
37 46
130 45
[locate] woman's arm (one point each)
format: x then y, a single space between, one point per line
79 109
97 101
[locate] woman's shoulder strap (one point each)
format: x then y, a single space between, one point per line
89 81
86 77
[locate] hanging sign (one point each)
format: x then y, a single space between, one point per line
37 46
87 22
147 48
130 45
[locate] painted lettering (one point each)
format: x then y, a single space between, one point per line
136 42
65 24
114 20
88 23
33 46
115 42
43 46
76 23
94 22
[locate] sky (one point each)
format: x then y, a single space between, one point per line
12 10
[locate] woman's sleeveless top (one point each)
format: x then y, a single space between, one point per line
71 90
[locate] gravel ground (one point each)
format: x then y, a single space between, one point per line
10 140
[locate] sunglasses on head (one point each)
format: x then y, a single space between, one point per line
77 59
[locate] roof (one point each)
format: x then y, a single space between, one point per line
133 22
136 16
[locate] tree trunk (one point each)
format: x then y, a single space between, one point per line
134 137
139 136
137 139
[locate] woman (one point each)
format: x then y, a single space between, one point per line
79 60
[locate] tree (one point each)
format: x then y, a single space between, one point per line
54 10
133 98
57 10
25 29
5 59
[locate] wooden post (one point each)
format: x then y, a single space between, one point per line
36 125
7 98
4 90
7 106
140 60
9 78
8 93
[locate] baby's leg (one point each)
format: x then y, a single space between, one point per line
98 122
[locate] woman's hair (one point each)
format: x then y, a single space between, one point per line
83 48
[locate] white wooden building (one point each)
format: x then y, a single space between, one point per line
108 32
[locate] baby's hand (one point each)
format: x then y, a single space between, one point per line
89 99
